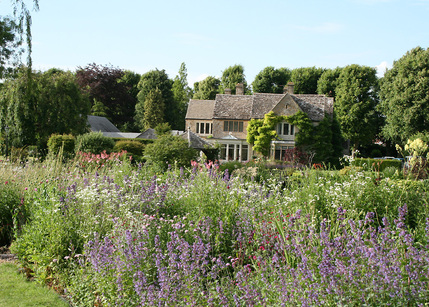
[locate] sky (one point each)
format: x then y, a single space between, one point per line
209 36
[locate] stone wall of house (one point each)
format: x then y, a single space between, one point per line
192 124
218 132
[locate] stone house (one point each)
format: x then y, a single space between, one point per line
225 119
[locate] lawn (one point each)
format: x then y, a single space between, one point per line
16 290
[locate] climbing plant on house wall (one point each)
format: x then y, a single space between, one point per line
322 141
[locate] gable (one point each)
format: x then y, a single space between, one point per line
286 106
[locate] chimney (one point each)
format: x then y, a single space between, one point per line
228 91
289 88
239 89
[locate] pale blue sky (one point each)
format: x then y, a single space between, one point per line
209 36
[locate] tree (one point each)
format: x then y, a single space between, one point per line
405 96
231 77
107 85
23 21
9 46
357 97
158 79
305 79
271 80
181 93
206 89
52 103
153 109
328 81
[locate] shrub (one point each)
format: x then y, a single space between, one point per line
94 142
376 164
64 142
230 166
133 147
9 204
170 149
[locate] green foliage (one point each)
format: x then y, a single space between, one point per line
154 109
64 143
357 97
404 96
271 80
231 77
163 128
231 166
206 89
169 150
182 93
151 81
51 103
305 79
134 148
328 82
94 142
10 203
260 133
304 137
9 46
376 164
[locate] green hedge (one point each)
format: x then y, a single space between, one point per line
376 164
65 141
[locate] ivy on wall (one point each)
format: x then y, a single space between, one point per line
324 141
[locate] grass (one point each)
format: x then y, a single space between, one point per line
16 290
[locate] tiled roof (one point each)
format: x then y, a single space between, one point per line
200 109
233 106
194 140
314 105
101 124
246 107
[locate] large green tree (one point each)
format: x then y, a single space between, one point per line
109 89
404 96
231 77
305 79
356 100
158 79
52 103
271 80
207 88
328 81
181 93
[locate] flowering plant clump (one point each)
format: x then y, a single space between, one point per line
125 235
90 161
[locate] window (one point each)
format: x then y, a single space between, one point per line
204 128
233 126
285 129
